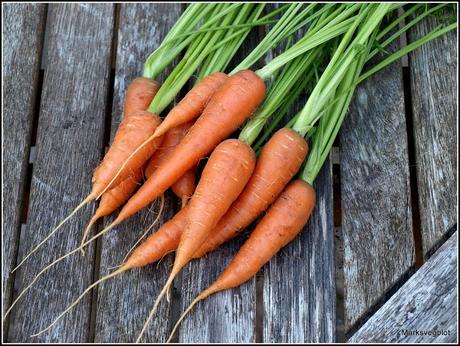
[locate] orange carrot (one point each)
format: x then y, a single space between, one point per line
235 101
185 186
193 104
139 95
224 177
137 124
160 243
283 221
113 199
131 133
170 140
231 105
279 160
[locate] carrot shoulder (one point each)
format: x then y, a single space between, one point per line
139 95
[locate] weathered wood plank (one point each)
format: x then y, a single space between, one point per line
426 303
299 282
225 317
433 76
23 30
69 146
376 205
124 302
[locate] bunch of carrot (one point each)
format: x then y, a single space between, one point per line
237 184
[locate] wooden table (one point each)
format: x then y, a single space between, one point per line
377 258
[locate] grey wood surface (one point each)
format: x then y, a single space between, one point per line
124 302
227 316
427 302
71 127
375 197
23 30
299 282
433 71
375 192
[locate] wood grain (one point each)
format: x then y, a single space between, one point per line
376 205
433 77
426 303
299 282
227 316
124 302
69 145
23 30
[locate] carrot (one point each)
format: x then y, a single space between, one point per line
231 105
224 177
132 132
193 103
185 186
278 162
160 243
139 92
139 95
283 221
113 199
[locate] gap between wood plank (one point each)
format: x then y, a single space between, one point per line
414 195
338 250
416 220
259 317
357 326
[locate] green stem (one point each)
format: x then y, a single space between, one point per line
410 47
330 123
167 51
368 20
272 37
220 58
284 89
193 58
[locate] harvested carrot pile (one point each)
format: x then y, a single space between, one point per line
260 158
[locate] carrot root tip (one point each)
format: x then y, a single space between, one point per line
88 199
